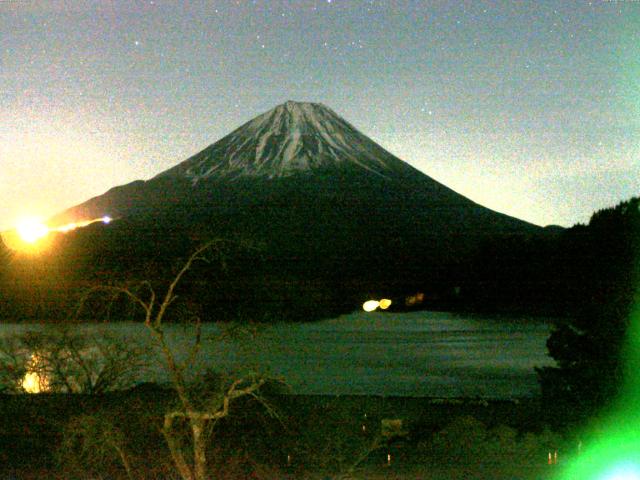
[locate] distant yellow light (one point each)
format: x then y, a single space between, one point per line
385 303
370 305
31 230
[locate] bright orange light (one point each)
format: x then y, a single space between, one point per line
31 230
30 233
370 305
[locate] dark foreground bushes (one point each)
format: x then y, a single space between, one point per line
118 435
467 443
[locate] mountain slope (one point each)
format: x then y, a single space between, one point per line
295 146
329 210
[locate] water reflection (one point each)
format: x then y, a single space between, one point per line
86 360
35 381
434 354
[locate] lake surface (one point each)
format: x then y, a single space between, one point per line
414 354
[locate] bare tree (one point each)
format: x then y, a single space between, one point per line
60 360
198 414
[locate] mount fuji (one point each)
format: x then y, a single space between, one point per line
322 200
297 146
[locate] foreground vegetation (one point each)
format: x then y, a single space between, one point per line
118 435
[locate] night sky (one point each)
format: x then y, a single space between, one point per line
529 108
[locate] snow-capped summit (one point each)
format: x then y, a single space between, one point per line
291 138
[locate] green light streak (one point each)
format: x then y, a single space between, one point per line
613 449
613 444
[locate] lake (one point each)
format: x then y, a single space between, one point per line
434 354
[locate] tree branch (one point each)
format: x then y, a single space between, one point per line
169 296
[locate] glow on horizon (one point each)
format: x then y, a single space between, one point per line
31 229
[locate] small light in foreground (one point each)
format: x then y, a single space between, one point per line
106 219
385 303
370 305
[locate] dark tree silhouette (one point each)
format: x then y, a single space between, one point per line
600 269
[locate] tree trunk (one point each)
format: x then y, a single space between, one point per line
175 450
199 448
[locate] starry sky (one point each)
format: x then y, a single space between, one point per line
529 108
